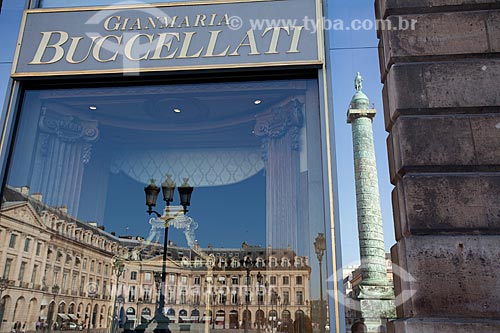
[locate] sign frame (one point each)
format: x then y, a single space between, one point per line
15 73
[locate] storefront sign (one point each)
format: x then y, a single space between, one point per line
166 37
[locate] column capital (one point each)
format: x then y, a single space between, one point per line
358 113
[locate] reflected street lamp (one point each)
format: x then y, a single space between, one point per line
247 264
259 319
55 291
152 191
118 269
266 286
319 248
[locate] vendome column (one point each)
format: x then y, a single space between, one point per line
373 295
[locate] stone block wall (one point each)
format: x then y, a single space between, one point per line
442 111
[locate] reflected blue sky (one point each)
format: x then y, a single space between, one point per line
351 51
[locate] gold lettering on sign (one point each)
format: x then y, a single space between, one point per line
44 44
163 43
127 40
188 36
251 43
294 46
96 52
273 45
116 24
72 49
130 45
214 35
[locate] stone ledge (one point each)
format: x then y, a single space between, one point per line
384 8
444 34
452 142
447 276
446 204
444 325
441 88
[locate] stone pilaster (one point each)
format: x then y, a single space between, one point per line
443 114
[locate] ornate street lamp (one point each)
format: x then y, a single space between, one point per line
259 281
118 269
152 191
319 248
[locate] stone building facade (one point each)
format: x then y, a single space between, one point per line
442 114
60 271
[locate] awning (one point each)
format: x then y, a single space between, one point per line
219 318
184 317
194 318
72 317
206 318
147 317
63 316
131 318
171 318
272 317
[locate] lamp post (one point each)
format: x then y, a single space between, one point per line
247 264
278 307
120 300
92 293
319 248
266 286
259 319
152 191
273 311
118 269
55 291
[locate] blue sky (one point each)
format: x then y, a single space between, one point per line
351 51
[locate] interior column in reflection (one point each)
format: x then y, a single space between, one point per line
279 127
63 149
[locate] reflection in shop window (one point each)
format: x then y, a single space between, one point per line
286 297
34 274
12 241
299 297
298 280
27 244
6 270
131 294
20 278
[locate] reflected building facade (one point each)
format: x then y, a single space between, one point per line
63 273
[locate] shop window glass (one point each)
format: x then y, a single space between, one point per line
252 150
